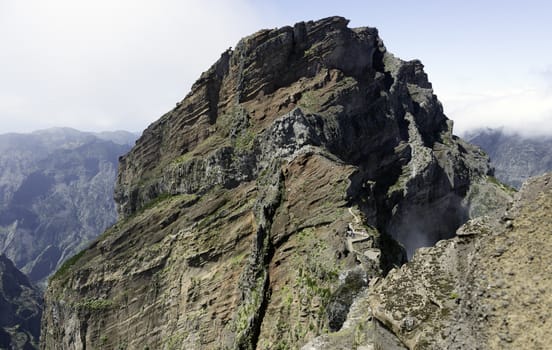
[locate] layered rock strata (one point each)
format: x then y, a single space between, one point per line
257 210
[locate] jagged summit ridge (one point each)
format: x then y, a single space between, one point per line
255 211
246 80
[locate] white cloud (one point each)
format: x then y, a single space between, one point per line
547 77
527 111
107 64
111 64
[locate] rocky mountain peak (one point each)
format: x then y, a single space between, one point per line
254 212
320 67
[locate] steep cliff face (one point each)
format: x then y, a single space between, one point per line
256 210
21 309
56 190
515 157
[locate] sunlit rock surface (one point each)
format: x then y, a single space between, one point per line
256 212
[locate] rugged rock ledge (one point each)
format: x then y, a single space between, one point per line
257 210
488 288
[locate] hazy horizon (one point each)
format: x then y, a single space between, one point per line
138 133
68 128
120 65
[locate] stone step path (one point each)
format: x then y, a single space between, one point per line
354 235
359 236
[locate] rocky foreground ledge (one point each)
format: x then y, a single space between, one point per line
488 288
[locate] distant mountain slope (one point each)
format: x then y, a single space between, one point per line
515 158
20 309
119 136
56 194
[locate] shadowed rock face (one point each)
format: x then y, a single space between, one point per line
256 210
21 307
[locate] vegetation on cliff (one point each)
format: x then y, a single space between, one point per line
256 211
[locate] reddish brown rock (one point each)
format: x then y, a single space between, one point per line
237 206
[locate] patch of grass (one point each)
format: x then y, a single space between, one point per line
346 81
311 51
310 101
175 341
225 121
183 158
282 345
423 344
95 304
244 141
160 198
67 265
402 180
237 260
247 310
504 186
316 277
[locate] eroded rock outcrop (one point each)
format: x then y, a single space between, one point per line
488 288
257 210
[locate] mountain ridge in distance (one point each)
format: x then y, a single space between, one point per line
514 156
56 190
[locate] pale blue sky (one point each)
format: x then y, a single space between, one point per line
120 64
